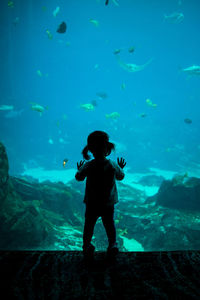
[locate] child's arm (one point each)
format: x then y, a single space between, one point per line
82 171
121 162
119 173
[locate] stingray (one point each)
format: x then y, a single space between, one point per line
132 67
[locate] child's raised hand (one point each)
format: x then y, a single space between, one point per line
79 165
121 162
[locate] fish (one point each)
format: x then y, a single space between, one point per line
65 162
102 95
131 49
87 106
133 67
39 73
193 70
95 22
6 107
56 11
37 107
114 115
11 4
14 114
50 141
150 103
62 28
174 17
107 1
50 36
96 66
188 121
143 115
116 51
123 86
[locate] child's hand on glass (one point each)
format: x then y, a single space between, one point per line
121 162
79 165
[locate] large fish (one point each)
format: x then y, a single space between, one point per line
193 70
132 67
6 107
174 18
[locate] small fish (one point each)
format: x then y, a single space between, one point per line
150 103
96 66
62 141
6 107
174 18
143 115
11 4
188 121
87 106
114 115
37 107
39 73
102 95
107 1
62 28
56 11
123 86
95 22
116 51
50 141
131 49
65 162
50 36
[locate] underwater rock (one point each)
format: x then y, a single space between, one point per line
129 193
4 176
181 195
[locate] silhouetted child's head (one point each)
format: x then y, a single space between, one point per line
98 144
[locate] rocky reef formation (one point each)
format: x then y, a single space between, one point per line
181 192
50 216
4 168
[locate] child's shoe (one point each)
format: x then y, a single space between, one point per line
88 251
112 249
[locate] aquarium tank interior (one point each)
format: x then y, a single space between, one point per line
130 68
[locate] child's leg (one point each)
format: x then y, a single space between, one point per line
90 221
108 222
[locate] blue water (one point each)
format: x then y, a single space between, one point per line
80 63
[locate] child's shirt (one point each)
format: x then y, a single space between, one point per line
100 183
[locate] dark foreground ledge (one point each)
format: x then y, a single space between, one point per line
132 275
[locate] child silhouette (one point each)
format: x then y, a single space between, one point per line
101 191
